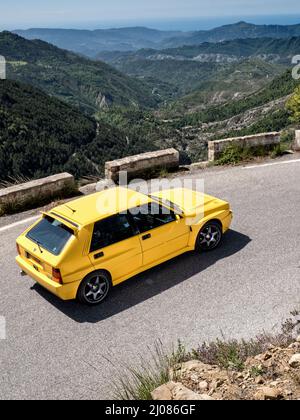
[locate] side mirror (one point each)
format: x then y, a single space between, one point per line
190 214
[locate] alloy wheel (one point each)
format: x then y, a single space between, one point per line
96 289
210 237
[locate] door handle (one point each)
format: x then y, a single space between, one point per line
99 255
145 237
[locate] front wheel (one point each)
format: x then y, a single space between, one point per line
94 288
209 237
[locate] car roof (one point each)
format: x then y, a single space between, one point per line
92 208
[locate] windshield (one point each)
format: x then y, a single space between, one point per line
168 203
51 235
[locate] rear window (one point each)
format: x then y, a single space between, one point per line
51 235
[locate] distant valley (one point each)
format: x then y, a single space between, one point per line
209 73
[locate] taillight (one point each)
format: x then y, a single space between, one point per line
18 249
56 275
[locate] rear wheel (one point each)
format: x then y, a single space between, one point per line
209 237
94 288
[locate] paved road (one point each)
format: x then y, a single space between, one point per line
63 350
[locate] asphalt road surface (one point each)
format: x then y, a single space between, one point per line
62 350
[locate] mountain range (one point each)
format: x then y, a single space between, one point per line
79 81
209 73
60 111
90 43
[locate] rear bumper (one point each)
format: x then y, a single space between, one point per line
63 291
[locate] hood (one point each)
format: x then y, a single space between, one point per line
191 202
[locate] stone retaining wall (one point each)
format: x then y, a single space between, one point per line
216 147
140 164
296 145
33 190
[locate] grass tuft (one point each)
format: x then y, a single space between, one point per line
138 383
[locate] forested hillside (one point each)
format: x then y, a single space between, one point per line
278 88
232 50
80 82
40 136
210 73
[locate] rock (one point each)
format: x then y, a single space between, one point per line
267 393
267 356
88 189
203 386
298 339
294 361
274 383
192 365
181 393
162 393
194 377
294 346
216 383
104 184
259 380
206 397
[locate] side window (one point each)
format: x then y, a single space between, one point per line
151 216
110 231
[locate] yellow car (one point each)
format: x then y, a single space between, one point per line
85 247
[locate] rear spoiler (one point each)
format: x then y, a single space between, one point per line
72 225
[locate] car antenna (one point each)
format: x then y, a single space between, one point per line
70 208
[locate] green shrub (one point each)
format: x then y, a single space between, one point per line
234 154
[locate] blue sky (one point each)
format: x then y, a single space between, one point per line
68 13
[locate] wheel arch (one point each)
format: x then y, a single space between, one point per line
100 270
215 220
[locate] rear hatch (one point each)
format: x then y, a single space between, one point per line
42 245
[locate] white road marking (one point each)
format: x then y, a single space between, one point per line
20 223
286 162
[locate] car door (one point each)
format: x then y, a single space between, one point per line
116 247
162 233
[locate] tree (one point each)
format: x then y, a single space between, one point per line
293 106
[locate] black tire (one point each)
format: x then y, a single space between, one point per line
94 289
210 237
